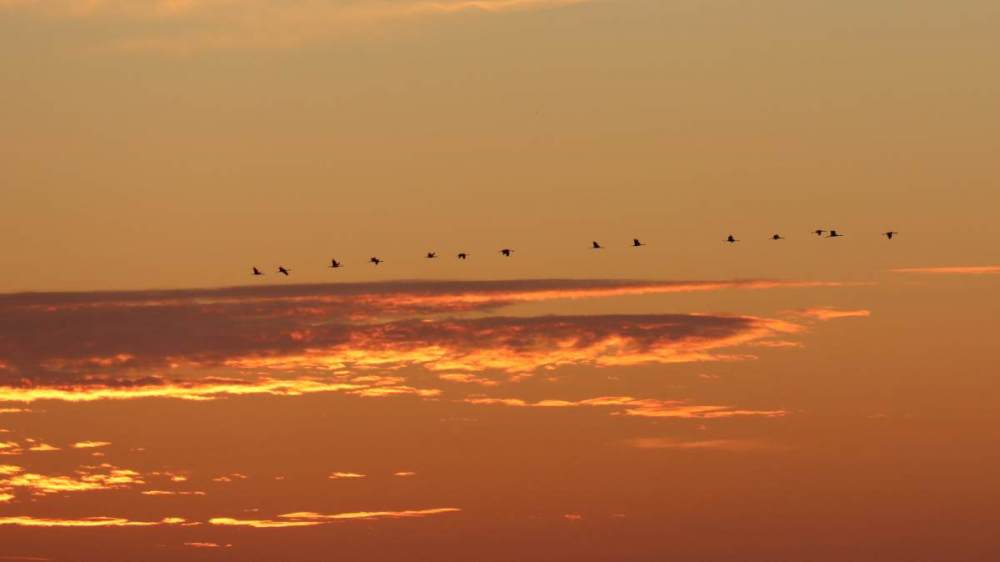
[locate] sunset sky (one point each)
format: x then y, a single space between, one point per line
806 399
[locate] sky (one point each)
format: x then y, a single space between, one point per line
809 398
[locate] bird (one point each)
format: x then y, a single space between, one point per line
889 234
819 232
595 245
335 264
506 252
431 255
777 237
375 260
257 271
731 239
834 234
463 255
281 269
636 243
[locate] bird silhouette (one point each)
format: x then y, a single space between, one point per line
281 269
257 271
819 232
335 264
731 239
834 234
596 246
506 252
889 234
636 243
431 255
463 255
375 260
777 237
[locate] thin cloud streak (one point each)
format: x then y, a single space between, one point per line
184 26
312 519
952 270
29 521
639 407
730 445
829 313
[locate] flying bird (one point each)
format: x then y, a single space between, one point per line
596 246
889 234
777 237
731 239
463 255
431 255
281 269
506 252
834 234
257 271
375 260
335 264
636 243
819 232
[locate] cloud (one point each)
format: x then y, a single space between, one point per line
207 545
193 25
172 493
29 521
209 389
732 445
345 475
86 479
952 270
829 313
640 407
125 345
90 444
312 519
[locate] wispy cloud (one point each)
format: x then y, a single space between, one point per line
732 445
192 25
90 444
313 338
629 406
952 270
85 479
29 521
345 475
830 313
312 519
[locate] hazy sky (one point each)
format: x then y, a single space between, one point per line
805 399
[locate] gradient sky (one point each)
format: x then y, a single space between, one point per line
806 399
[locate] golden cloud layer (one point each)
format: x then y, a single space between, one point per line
952 270
629 406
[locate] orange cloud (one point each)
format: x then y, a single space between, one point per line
733 445
952 270
28 521
119 345
629 406
345 475
198 390
172 493
86 479
206 545
90 444
409 513
230 477
828 313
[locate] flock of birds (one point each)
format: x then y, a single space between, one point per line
595 245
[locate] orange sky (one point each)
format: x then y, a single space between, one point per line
805 399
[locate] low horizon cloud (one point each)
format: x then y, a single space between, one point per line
287 340
189 26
